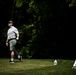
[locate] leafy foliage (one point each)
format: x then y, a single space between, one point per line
43 26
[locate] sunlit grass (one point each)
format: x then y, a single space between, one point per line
36 67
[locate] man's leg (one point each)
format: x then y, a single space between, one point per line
17 54
12 48
12 55
19 57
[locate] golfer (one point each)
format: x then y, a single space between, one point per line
12 37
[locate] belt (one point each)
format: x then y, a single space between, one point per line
12 39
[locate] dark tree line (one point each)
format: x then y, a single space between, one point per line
47 28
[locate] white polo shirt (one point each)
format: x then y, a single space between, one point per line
11 33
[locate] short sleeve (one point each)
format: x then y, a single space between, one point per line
16 30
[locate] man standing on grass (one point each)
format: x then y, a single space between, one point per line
12 37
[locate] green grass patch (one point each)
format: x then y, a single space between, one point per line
37 67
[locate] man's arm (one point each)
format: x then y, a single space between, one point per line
17 33
7 42
17 36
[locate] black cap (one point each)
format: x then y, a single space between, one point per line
10 21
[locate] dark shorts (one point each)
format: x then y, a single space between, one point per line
12 44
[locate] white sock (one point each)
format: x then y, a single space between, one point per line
12 59
18 56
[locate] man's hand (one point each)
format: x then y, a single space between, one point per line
6 44
17 38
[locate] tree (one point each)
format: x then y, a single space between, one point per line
43 26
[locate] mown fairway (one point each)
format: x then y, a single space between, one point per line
36 67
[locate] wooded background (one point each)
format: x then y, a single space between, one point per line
46 27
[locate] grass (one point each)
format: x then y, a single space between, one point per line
37 67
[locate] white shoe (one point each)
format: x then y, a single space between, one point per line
20 58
